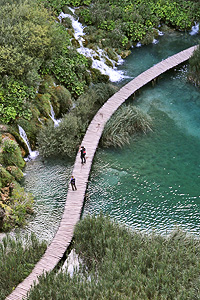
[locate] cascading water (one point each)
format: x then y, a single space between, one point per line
52 116
32 154
99 64
195 29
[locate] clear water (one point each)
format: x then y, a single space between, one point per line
48 181
154 183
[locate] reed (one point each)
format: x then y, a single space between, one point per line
123 124
17 259
121 264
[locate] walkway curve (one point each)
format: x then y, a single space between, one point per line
75 199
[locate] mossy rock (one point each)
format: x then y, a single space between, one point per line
111 54
61 100
42 102
108 62
31 128
47 81
66 10
5 177
98 77
75 43
148 38
125 53
12 155
67 22
70 32
15 172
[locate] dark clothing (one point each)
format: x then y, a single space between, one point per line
83 154
73 185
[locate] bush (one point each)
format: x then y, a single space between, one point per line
12 154
62 140
121 264
124 123
65 138
17 259
15 172
17 205
194 67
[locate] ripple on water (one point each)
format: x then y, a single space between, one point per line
48 182
153 185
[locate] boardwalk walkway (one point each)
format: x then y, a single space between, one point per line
75 199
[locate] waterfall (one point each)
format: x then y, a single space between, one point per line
114 74
32 154
195 29
52 115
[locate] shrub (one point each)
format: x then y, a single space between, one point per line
15 172
62 139
12 154
17 259
63 98
65 138
121 264
124 123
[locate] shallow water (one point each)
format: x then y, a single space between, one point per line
153 184
48 181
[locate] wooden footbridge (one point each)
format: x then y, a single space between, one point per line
75 199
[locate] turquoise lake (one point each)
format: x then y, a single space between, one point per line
154 183
151 184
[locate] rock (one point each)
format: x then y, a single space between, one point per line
2 215
5 193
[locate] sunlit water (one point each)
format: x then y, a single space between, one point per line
48 181
152 184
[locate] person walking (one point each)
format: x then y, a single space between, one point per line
73 184
83 154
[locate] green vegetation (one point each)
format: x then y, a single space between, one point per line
66 138
194 67
119 24
15 203
121 264
40 67
17 259
124 123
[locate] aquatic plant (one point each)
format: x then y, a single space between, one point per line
194 67
124 123
17 258
121 264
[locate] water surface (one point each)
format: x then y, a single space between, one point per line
153 184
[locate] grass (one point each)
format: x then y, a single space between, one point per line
17 259
127 121
121 264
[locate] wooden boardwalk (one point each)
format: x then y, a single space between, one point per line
75 199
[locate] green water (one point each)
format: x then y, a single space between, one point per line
151 184
154 183
48 181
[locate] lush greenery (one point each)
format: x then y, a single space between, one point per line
17 258
119 23
65 138
120 264
127 121
15 203
194 67
32 45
